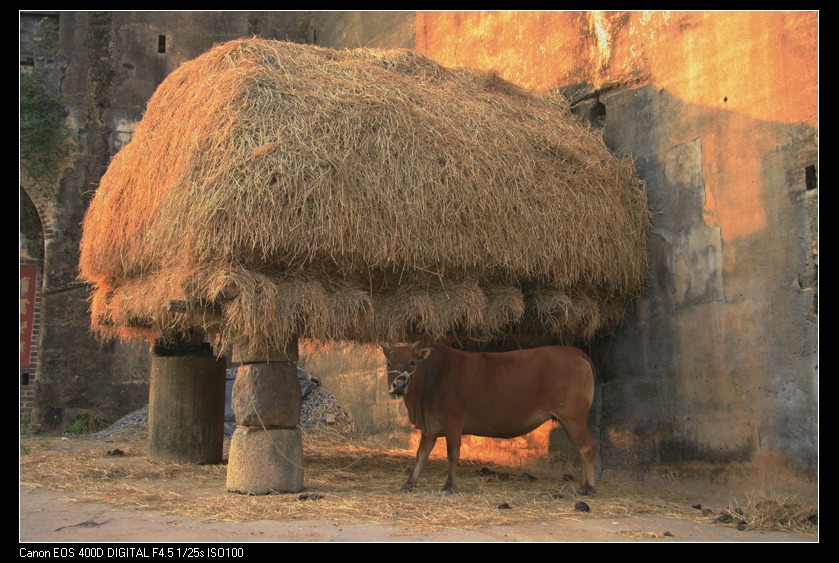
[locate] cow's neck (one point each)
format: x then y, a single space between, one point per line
421 388
411 398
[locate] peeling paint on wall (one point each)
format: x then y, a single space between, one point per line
123 130
601 50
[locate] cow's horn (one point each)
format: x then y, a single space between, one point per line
385 346
416 344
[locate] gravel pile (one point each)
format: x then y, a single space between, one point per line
131 421
319 409
323 409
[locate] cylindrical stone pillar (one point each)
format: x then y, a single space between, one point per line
266 450
186 405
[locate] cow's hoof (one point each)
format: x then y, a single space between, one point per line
587 490
407 487
446 492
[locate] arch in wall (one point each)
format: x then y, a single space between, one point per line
31 262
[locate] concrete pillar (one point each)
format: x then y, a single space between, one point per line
186 404
266 450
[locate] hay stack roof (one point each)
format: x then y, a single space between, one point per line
275 189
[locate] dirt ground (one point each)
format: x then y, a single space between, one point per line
75 491
54 516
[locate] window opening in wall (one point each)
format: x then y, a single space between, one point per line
810 180
161 43
24 379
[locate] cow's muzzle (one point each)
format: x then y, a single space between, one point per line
399 384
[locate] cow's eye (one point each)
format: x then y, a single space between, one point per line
411 364
388 365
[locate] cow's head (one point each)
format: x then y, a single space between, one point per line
401 363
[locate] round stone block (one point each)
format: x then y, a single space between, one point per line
267 395
265 461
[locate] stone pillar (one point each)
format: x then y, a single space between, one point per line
186 404
266 450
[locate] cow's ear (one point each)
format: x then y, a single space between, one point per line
423 354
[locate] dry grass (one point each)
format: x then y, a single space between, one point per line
365 195
352 481
772 513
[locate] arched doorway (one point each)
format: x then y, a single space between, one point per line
31 252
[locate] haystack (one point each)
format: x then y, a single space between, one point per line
275 190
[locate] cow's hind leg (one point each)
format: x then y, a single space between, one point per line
423 451
453 455
579 435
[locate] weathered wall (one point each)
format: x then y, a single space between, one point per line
715 375
349 30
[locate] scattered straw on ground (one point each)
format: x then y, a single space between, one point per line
356 481
773 513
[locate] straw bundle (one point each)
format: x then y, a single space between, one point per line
274 189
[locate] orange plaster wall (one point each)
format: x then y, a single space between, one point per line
753 66
734 190
764 63
533 49
761 64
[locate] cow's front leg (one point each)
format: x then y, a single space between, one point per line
453 454
423 451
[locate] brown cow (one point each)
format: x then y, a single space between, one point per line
499 395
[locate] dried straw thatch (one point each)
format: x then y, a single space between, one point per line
275 189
